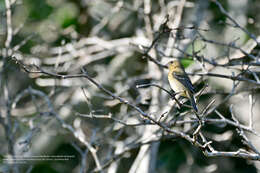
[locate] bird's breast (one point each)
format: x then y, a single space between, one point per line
176 85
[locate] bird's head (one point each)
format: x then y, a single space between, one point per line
174 65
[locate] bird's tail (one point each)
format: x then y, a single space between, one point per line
193 103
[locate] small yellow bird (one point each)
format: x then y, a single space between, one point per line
180 82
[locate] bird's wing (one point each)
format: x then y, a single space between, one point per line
184 80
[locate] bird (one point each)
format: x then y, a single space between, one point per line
180 82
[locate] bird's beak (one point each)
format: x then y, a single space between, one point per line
168 64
